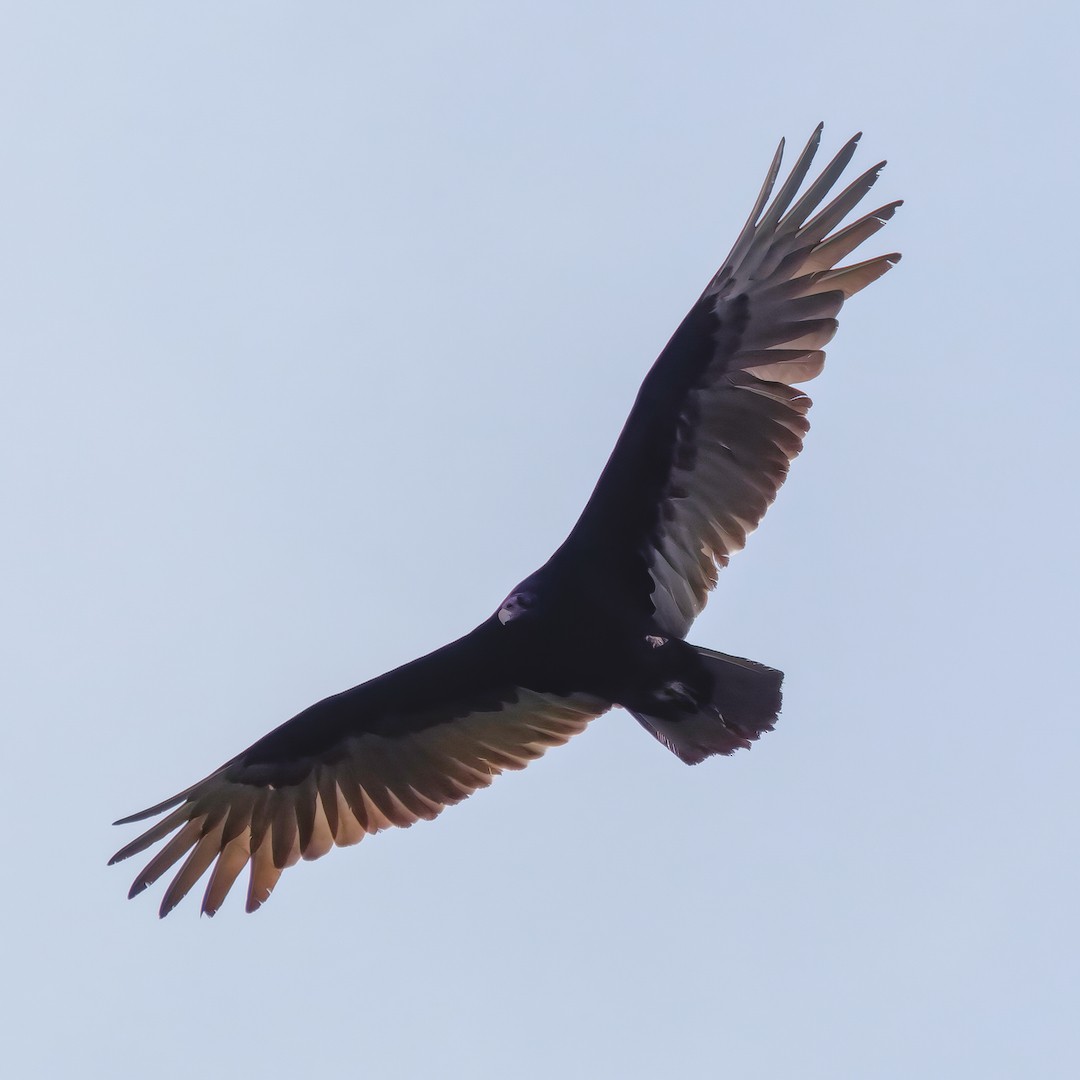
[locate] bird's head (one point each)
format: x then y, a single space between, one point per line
520 602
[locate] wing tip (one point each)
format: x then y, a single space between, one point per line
153 811
127 851
885 213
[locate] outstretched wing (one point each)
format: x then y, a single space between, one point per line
717 421
389 752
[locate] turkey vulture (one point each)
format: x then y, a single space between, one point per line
707 445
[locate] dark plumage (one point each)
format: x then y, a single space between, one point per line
704 451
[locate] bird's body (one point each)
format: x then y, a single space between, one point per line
603 622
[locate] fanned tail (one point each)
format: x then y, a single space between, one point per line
742 706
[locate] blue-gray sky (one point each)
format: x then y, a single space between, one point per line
318 322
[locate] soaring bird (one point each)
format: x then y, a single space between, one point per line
603 622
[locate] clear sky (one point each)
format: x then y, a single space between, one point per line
317 324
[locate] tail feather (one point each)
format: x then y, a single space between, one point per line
743 704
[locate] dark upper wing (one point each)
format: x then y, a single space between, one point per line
389 752
717 421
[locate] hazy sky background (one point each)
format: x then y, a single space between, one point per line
317 324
